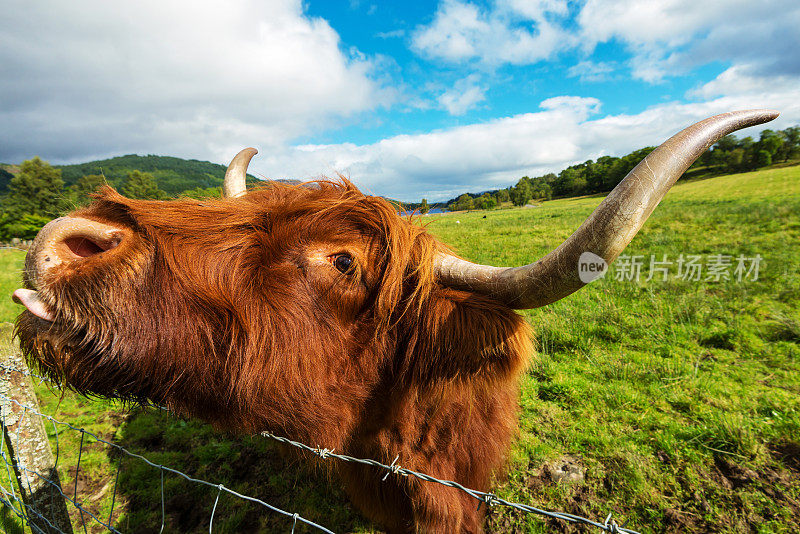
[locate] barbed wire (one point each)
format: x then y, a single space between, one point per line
22 516
164 469
25 372
489 499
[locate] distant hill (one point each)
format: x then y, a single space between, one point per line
173 175
7 172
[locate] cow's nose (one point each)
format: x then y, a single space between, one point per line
68 240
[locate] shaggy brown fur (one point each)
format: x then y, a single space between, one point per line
232 311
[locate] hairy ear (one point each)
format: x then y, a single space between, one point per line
462 336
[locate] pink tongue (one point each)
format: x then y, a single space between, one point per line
30 299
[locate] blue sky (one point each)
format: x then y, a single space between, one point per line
499 88
411 100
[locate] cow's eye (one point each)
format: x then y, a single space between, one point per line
343 263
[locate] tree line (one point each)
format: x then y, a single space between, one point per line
173 175
38 192
730 154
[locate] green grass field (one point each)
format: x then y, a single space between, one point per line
675 404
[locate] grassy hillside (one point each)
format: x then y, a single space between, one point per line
675 404
679 399
174 175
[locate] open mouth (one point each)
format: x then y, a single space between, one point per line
34 304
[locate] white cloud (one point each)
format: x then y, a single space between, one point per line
196 80
672 36
444 162
591 71
464 95
664 38
477 157
183 78
744 87
513 31
744 80
534 9
393 34
670 22
584 105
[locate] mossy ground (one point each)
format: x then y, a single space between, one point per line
678 402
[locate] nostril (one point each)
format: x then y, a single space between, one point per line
84 247
70 240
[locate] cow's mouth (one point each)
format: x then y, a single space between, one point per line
33 303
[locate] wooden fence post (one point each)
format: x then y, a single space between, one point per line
29 448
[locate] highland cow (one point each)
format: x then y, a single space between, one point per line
320 314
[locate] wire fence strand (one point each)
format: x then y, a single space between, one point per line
164 469
393 469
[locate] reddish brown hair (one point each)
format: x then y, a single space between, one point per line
233 311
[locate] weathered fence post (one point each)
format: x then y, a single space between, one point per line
30 451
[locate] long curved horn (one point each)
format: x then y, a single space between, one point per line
233 186
607 231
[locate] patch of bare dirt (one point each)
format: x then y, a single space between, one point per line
788 453
679 521
87 497
732 496
504 520
734 476
567 469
